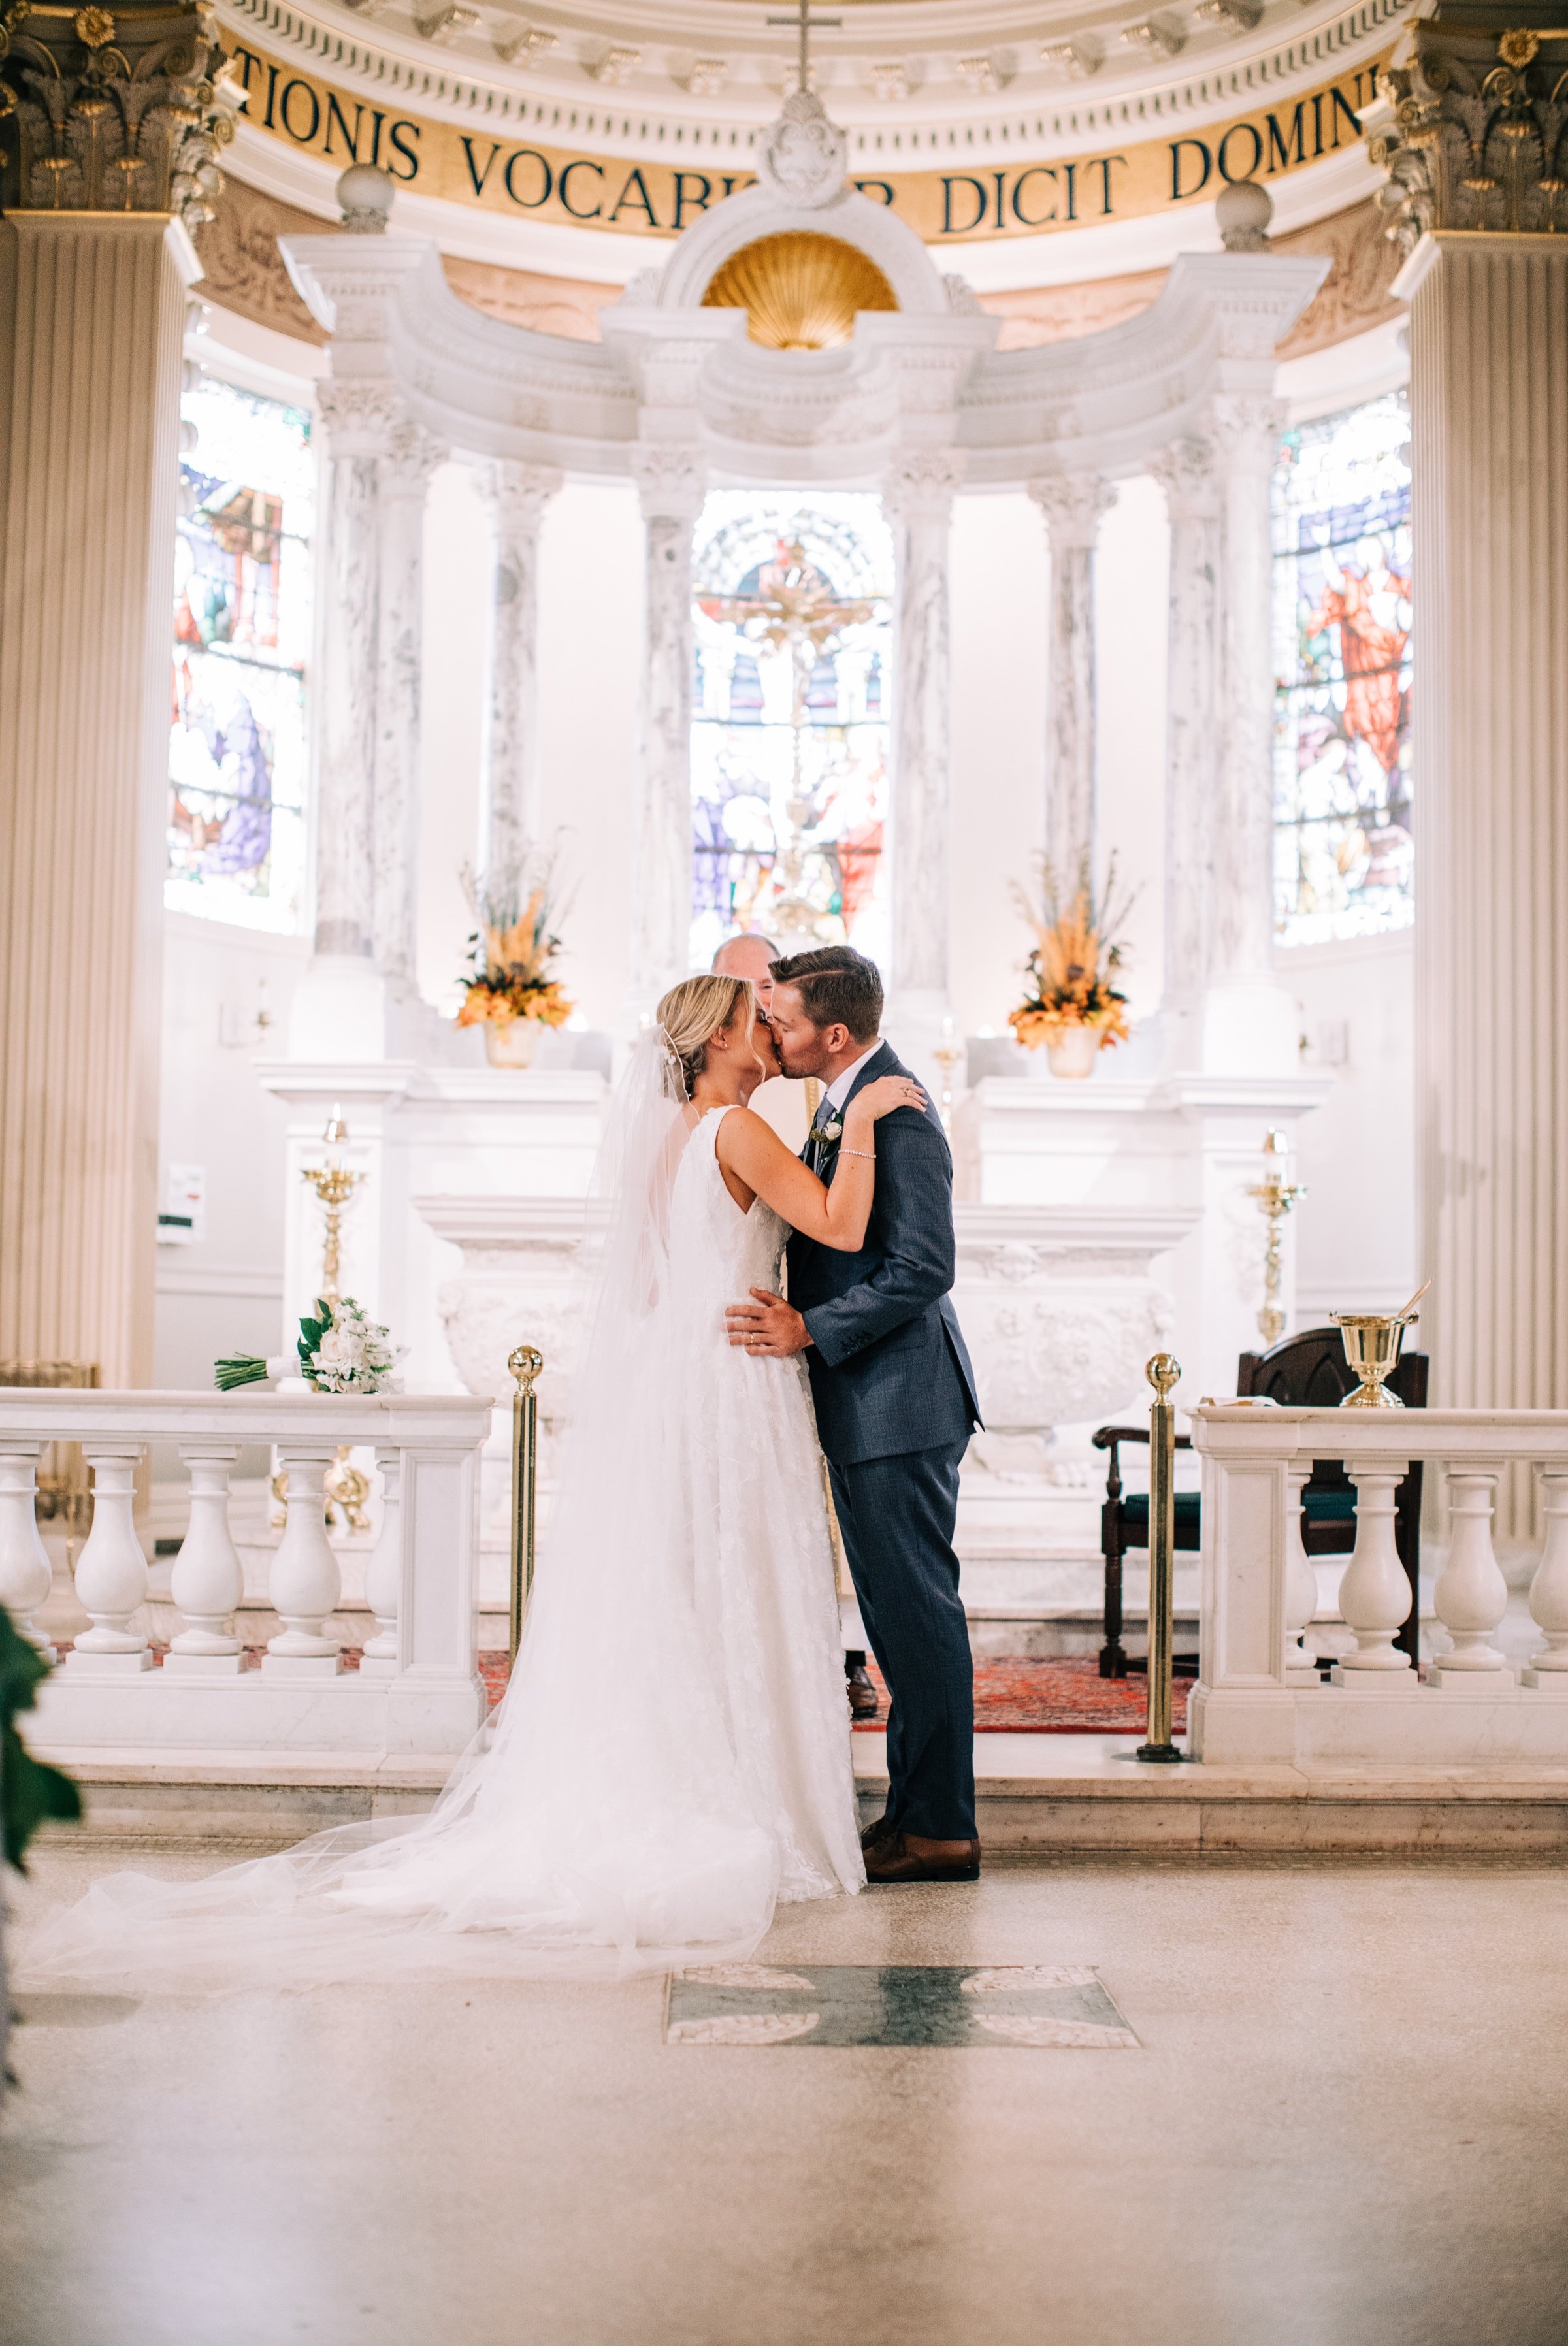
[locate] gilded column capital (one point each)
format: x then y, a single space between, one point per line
115 113
1471 127
1073 505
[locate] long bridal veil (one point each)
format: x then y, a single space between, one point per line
601 1822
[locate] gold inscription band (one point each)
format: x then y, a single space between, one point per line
646 198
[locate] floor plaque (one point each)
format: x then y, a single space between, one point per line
1053 2007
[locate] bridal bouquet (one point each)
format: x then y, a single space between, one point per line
512 946
339 1351
1073 963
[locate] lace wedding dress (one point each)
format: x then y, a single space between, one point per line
672 1754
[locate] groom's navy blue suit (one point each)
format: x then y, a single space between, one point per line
895 1408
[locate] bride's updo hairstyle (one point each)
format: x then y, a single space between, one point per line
690 1014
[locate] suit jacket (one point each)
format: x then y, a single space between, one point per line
890 1371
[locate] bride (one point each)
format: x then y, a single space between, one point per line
672 1754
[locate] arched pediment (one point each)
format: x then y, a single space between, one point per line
850 217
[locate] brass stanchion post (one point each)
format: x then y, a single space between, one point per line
1162 1373
525 1364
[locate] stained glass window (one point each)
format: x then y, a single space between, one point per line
790 731
238 756
1343 853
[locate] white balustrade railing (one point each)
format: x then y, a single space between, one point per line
1261 1695
417 1688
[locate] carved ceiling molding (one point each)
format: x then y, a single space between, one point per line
242 269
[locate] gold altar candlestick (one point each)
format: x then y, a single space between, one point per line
334 1187
948 1053
526 1365
1275 1198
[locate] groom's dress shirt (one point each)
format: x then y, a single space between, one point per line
839 1090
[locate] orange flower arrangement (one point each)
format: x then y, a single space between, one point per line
1072 964
511 953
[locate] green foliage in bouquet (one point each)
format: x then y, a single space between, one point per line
31 1792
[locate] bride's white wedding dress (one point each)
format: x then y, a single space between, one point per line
673 1754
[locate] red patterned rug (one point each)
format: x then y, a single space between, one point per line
1010 1696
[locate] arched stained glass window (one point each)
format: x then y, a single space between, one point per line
789 741
1342 781
238 758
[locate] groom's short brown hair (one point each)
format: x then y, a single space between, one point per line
838 987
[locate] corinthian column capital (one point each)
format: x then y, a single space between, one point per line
1468 126
672 480
1247 427
360 414
517 495
920 482
411 456
1074 505
1187 469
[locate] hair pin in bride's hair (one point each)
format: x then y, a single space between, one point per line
671 1068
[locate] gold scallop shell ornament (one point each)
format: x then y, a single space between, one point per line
799 291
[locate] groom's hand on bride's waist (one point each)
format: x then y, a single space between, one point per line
767 1325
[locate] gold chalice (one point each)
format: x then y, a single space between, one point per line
1372 1342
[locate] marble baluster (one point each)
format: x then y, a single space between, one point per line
360 418
111 1572
1185 472
208 1580
1074 508
24 1571
384 1573
305 1585
671 483
1375 1594
1548 1669
917 496
404 472
509 813
1300 1583
1472 1595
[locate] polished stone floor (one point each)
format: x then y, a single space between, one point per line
1344 2122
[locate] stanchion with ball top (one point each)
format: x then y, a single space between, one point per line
525 1364
1162 1373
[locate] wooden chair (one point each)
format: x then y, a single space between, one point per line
1306 1371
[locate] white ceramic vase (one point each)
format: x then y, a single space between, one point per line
1075 1052
514 1045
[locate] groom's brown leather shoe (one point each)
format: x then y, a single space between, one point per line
909 1857
884 1829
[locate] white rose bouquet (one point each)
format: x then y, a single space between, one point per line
339 1351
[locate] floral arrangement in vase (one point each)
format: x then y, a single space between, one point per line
340 1350
1073 1007
511 993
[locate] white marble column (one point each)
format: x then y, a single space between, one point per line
1185 472
1074 509
92 311
404 472
917 496
360 418
671 481
509 809
1488 416
1249 1022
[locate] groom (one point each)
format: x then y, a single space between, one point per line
895 1402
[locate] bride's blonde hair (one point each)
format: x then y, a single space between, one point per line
692 1013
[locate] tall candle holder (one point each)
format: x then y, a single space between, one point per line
1275 1198
335 1186
948 1054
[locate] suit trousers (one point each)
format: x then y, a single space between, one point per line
897 1515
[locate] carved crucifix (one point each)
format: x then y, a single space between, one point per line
805 24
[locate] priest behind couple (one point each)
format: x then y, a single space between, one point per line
779 1102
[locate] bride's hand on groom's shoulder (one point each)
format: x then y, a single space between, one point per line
888 1093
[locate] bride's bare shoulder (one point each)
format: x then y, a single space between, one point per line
742 1127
